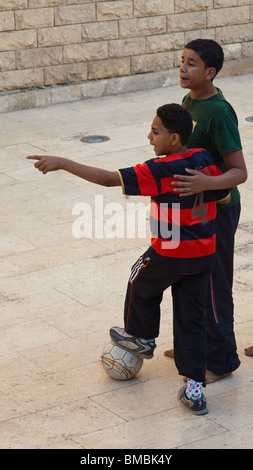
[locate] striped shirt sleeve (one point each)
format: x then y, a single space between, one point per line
138 181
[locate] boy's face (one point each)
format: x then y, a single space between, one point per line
193 73
161 138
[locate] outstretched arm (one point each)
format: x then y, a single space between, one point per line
46 163
197 181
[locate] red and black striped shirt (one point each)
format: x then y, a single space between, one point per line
182 229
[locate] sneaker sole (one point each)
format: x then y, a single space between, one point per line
139 355
200 413
136 353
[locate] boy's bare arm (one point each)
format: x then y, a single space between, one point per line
197 181
46 163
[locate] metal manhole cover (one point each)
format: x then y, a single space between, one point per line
94 139
250 118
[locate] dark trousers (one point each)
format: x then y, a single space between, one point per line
145 290
222 354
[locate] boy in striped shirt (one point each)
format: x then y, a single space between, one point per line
182 250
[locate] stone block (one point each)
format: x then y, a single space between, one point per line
228 16
244 2
114 10
225 3
101 30
236 67
7 60
232 51
46 3
165 42
39 57
75 14
200 33
144 8
59 35
7 21
13 4
192 5
186 21
152 62
232 34
37 18
85 52
142 26
178 58
127 47
16 79
66 73
14 40
109 68
247 49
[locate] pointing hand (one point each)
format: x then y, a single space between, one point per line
46 163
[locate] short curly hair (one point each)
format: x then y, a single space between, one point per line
176 119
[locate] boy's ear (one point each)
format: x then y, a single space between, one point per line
175 138
211 72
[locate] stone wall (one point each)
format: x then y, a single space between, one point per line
50 43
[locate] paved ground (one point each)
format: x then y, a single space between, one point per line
60 295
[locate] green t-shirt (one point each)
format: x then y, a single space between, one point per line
215 129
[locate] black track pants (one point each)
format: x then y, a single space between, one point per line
144 294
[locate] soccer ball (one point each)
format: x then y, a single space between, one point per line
119 363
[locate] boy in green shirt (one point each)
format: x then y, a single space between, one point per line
216 130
